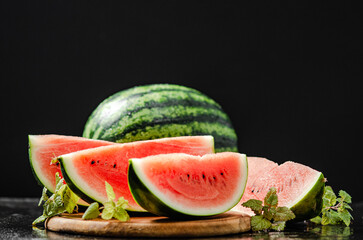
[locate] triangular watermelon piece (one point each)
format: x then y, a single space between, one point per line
180 185
44 148
299 187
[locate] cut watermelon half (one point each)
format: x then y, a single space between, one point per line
44 148
86 171
299 187
181 185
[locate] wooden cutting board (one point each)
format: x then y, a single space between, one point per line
147 225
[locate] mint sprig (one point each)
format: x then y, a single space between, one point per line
62 200
335 209
110 208
268 216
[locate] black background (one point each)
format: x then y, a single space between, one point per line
286 73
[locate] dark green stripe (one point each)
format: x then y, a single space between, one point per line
162 121
96 120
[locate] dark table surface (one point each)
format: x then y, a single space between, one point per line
17 214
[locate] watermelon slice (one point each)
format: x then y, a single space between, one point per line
181 185
86 171
43 148
299 187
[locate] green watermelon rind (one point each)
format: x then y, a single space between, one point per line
311 204
37 178
160 110
154 204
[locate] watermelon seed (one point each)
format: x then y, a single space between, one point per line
188 175
203 176
114 165
92 162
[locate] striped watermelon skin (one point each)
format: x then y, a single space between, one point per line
158 111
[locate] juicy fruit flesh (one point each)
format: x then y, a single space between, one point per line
44 148
88 170
293 182
296 178
257 166
192 184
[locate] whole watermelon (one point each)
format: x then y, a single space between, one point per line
157 111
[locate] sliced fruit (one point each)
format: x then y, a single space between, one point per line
157 111
299 187
44 148
86 171
181 185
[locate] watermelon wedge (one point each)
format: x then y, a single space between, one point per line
180 185
299 187
86 171
43 148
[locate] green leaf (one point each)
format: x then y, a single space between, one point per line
40 219
62 200
255 205
268 212
271 198
91 212
58 181
329 197
121 214
278 226
70 200
122 203
345 196
330 217
259 223
44 196
110 193
347 206
345 216
283 214
109 210
316 220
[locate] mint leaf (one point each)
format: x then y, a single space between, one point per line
283 214
345 196
62 200
316 220
271 198
91 212
109 210
44 196
335 210
110 193
259 223
112 209
268 212
254 205
268 216
345 216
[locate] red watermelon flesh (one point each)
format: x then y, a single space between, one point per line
257 166
292 181
87 171
44 148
